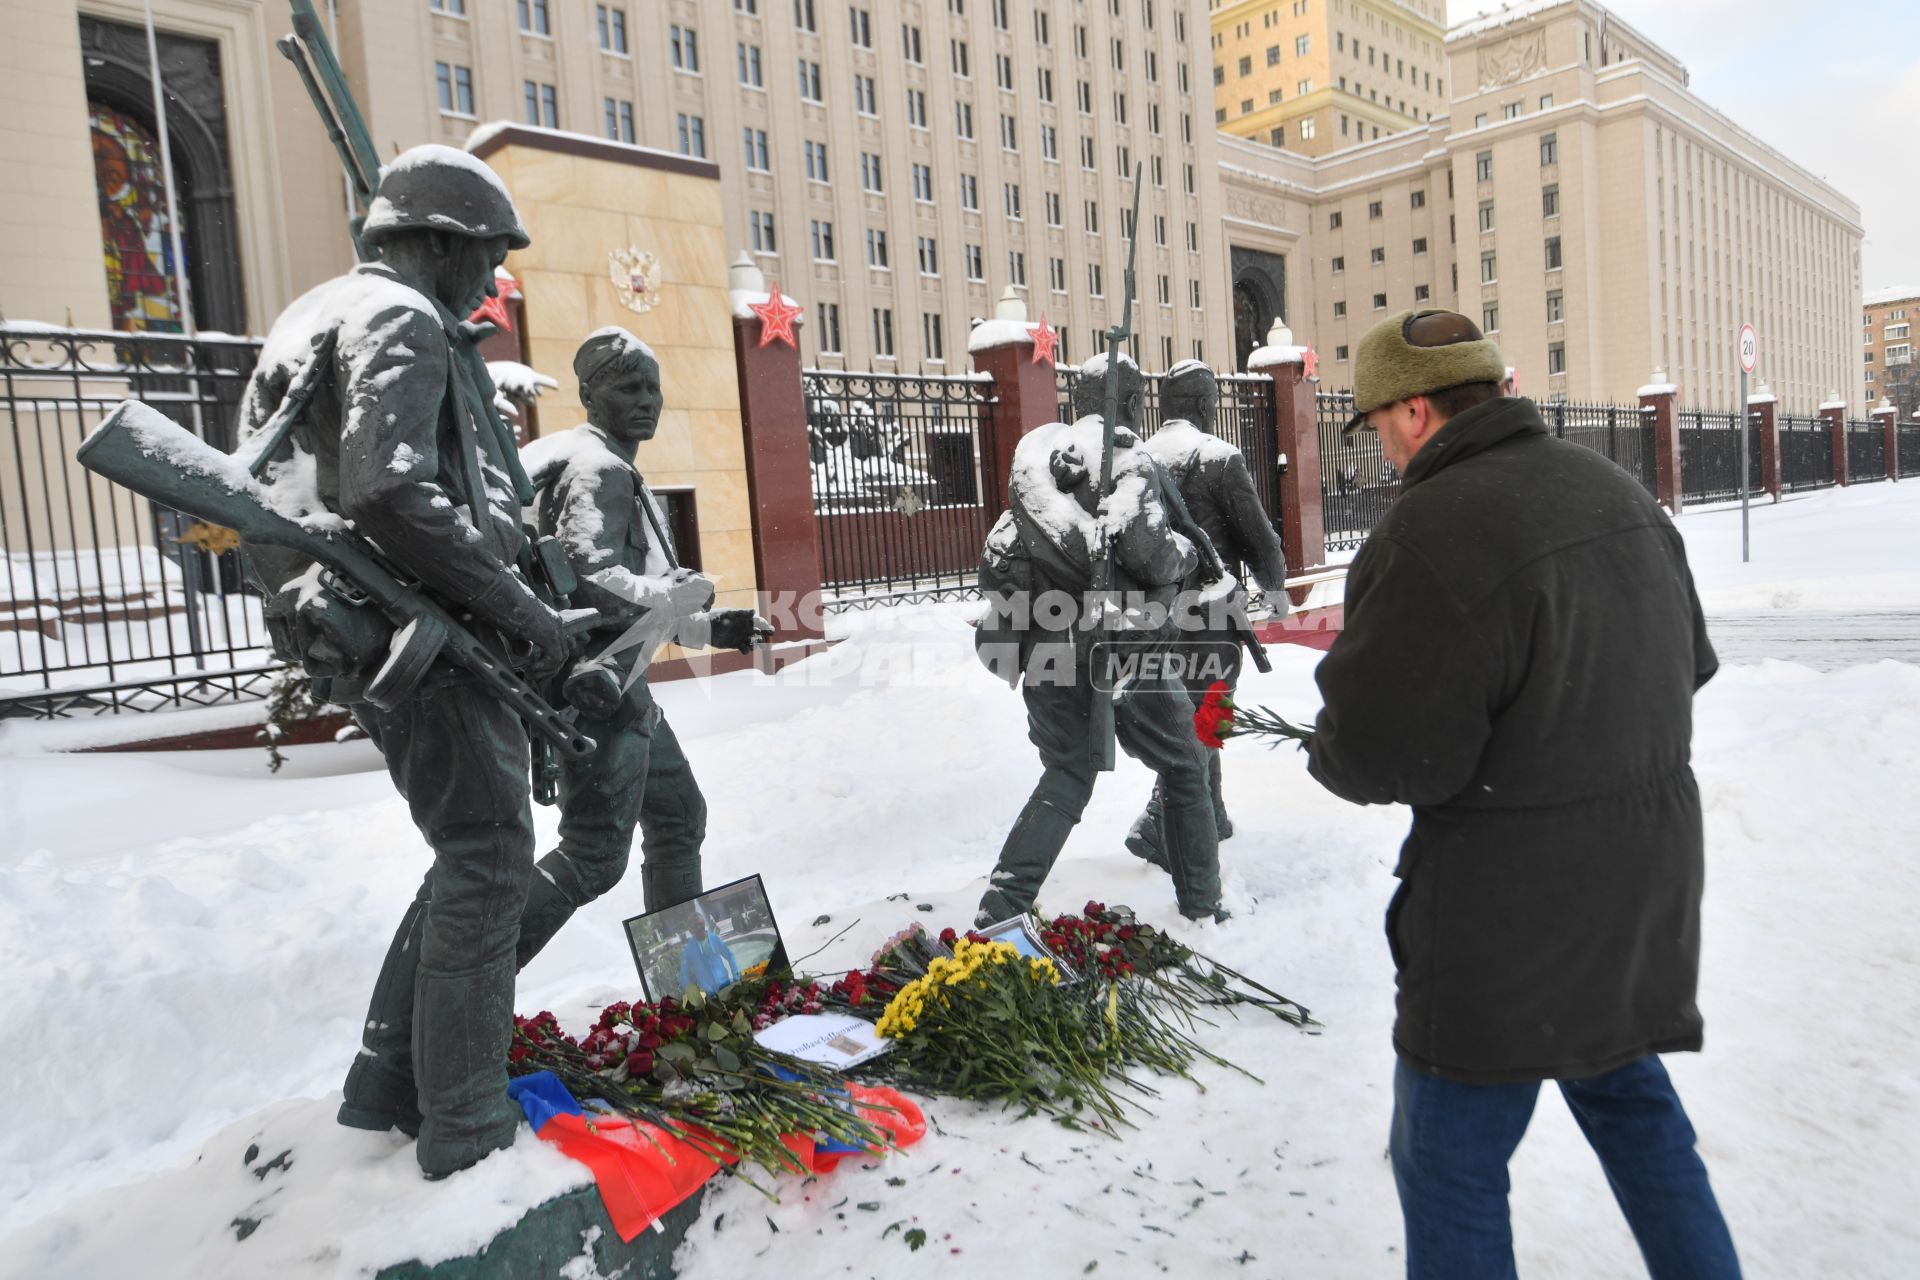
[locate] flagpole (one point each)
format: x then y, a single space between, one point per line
166 173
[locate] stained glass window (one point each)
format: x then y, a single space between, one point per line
134 235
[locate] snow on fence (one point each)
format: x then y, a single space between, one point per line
110 603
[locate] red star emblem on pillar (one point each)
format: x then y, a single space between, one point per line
494 310
776 317
1311 361
1045 336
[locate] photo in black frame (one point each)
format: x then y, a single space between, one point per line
709 942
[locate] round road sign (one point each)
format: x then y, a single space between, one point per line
1749 347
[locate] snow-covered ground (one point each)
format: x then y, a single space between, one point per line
187 944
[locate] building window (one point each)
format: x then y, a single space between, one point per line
809 81
1246 66
822 241
1373 209
1556 307
1546 102
860 25
1339 265
1486 215
1379 255
1553 253
1549 149
1009 134
1511 111
865 101
1556 357
458 8
883 333
456 88
1339 310
1340 355
1306 129
1422 292
1379 302
611 24
969 193
1419 199
1488 273
1010 199
976 263
534 18
930 336
829 317
929 253
543 105
1096 284
917 111
1333 220
685 44
1420 247
817 162
1049 143
1483 167
870 172
803 16
619 119
1490 318
1193 294
692 134
748 58
1017 269
756 148
1550 200
877 249
910 44
1052 204
1301 46
760 224
922 182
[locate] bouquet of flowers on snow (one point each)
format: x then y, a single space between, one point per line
1218 718
696 1069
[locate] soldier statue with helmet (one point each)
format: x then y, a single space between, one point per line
392 431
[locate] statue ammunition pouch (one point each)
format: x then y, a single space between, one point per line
333 630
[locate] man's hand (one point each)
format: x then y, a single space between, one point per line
594 687
740 629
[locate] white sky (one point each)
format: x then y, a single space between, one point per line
1834 85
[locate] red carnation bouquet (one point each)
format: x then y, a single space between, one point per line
1218 719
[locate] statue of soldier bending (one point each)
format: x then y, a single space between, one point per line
595 502
397 436
1219 493
1036 572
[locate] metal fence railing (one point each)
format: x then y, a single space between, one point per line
1806 454
1621 433
1907 443
1866 452
112 604
904 483
1710 456
1357 483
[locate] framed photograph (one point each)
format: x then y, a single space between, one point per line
1023 931
709 942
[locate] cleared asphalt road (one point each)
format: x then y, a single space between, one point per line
1823 641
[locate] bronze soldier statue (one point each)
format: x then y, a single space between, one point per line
595 502
1220 496
1039 553
395 433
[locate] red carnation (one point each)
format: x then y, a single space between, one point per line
640 1062
1094 909
948 937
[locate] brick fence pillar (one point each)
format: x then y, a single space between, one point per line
1024 388
1888 416
1835 414
773 422
1296 434
1763 418
1662 396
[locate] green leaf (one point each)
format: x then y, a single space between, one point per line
740 1024
871 1206
915 1238
684 1054
716 1032
725 1058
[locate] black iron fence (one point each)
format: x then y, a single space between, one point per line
1866 452
113 604
1907 443
1357 483
1710 456
1806 454
1621 433
904 481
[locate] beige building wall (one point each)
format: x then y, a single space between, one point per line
1672 224
1314 76
1888 320
576 200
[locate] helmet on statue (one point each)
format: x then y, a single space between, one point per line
438 188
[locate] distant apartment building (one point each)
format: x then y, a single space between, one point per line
1887 319
1315 76
1582 205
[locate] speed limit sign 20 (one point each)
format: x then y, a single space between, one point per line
1749 348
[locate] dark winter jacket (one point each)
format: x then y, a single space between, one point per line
1220 495
1521 650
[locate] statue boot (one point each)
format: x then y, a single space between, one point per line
1025 859
1143 839
1192 846
379 1093
462 1029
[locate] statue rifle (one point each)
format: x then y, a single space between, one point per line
312 56
1100 745
161 461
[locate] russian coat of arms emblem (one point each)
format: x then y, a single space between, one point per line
636 278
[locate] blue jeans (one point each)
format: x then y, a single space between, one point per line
1451 1143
